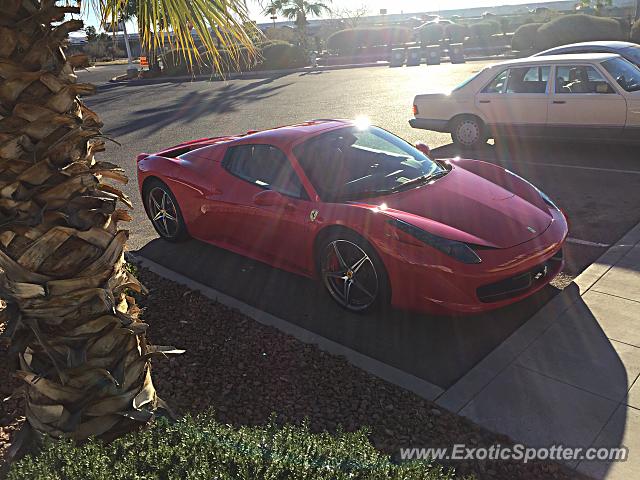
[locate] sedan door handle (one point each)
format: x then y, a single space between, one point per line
485 101
559 102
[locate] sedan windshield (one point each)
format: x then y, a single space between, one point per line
626 73
355 162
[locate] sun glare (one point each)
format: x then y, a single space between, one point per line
362 122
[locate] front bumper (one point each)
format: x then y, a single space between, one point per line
440 284
430 124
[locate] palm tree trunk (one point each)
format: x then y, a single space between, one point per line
80 347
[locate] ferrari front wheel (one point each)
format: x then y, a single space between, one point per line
353 274
164 212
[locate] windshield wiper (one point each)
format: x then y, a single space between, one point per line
420 180
365 194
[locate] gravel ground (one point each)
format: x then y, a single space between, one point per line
247 371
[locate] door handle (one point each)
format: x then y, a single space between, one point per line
485 101
559 102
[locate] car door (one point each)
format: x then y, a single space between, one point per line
584 104
277 233
515 102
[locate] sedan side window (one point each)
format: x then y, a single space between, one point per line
265 166
581 79
528 79
498 84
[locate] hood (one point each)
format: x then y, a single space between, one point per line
467 207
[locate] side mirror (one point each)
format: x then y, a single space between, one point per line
424 148
270 198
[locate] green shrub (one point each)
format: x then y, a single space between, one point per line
635 32
348 41
278 55
455 33
484 29
194 449
576 28
174 63
431 34
524 38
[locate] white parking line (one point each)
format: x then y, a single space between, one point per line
578 167
577 241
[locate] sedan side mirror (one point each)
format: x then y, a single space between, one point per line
424 148
270 198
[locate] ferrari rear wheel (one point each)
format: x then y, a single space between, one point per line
164 212
352 273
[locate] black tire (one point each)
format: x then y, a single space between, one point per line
468 131
369 284
171 226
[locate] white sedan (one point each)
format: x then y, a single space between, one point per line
584 96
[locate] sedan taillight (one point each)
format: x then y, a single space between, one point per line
415 110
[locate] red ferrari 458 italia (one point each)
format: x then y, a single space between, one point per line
375 218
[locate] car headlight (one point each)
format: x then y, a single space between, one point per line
458 250
543 195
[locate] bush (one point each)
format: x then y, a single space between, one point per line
455 33
278 55
484 29
635 32
204 449
348 41
524 38
431 34
174 63
576 28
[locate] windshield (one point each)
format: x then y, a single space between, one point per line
354 162
633 53
468 80
626 74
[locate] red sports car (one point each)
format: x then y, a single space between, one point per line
375 218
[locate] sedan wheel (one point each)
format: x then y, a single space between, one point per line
468 132
165 214
349 274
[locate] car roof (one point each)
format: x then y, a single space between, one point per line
612 44
560 59
288 134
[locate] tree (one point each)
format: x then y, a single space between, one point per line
78 344
637 17
299 10
91 33
597 5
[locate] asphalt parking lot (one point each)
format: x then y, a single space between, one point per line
597 185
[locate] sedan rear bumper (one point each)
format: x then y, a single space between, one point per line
430 124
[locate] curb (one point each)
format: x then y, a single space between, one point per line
248 75
456 397
271 73
370 365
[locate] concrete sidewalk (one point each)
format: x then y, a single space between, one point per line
569 375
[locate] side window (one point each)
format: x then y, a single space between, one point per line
528 79
498 84
581 79
265 166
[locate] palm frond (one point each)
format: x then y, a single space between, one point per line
215 22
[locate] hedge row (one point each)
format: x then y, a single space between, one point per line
635 32
566 29
201 448
351 39
273 55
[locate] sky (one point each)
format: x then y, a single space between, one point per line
373 7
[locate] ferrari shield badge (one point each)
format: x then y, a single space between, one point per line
313 215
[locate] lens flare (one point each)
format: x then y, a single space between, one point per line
362 122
